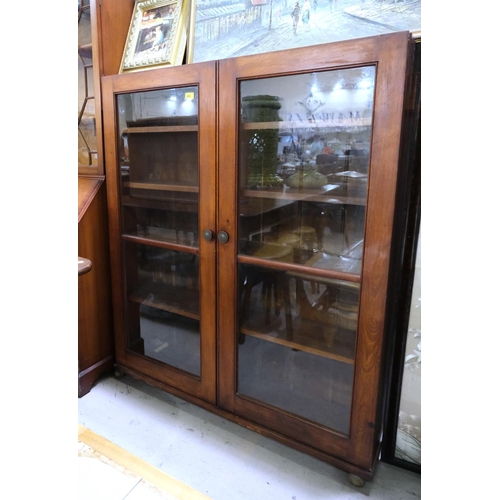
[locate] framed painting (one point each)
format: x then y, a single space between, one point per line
157 35
230 28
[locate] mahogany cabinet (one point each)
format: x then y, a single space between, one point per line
251 205
95 327
95 319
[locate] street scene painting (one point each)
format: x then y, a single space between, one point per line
230 28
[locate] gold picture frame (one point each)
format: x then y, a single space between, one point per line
157 35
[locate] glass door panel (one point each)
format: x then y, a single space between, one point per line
159 181
304 155
297 342
88 161
163 305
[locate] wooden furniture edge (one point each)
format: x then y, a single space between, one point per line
87 193
87 377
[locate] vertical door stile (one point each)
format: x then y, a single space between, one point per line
226 252
207 217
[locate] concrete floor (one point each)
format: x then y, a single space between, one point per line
213 456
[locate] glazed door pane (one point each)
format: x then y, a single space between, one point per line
304 156
158 151
87 133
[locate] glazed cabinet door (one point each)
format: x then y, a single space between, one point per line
307 187
160 152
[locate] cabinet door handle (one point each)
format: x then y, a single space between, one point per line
208 235
223 237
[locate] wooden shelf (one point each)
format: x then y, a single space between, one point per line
161 235
180 188
319 125
330 193
173 299
161 129
177 205
321 260
298 346
308 336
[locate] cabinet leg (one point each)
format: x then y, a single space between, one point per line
118 372
356 480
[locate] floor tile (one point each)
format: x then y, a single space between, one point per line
100 481
144 491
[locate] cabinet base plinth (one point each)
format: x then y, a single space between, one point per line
88 377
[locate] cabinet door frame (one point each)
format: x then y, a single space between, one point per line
97 170
389 54
202 75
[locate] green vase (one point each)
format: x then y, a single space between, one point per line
260 146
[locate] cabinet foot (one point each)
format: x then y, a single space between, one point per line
88 378
356 480
118 372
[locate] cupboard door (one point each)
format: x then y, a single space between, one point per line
164 192
307 200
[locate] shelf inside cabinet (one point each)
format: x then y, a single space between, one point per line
179 188
161 129
176 204
308 336
344 263
175 239
330 193
173 299
311 125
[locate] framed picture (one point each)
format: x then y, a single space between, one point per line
222 29
157 35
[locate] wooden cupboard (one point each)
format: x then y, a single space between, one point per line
251 204
95 327
95 318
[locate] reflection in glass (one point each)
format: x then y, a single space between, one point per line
163 305
303 167
297 342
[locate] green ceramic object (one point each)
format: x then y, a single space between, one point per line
261 145
260 108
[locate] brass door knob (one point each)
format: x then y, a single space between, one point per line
223 237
